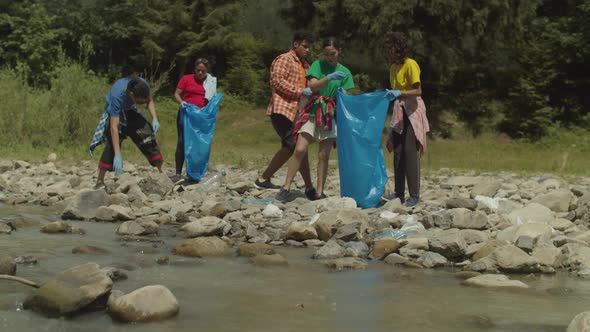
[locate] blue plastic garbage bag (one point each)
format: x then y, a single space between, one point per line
199 126
360 121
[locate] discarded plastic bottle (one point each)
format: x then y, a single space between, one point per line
397 234
211 182
223 177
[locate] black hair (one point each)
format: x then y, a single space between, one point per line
331 41
302 35
203 61
139 88
397 47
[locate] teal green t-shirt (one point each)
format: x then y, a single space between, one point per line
320 69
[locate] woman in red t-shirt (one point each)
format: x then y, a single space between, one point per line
190 89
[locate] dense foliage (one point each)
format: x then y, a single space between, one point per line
516 66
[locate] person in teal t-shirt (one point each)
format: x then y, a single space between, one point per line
316 120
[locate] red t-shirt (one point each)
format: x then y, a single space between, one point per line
193 92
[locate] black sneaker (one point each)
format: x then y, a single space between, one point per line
283 195
265 185
176 179
322 196
412 201
389 197
311 194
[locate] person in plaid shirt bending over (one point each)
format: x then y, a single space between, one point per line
288 85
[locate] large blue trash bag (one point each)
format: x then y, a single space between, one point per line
199 126
360 121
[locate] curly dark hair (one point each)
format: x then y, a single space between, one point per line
396 47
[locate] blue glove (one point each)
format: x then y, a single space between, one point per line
183 104
337 75
118 164
306 92
393 94
155 125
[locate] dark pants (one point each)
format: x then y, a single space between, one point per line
179 155
284 128
136 127
406 163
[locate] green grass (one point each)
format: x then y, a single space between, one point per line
34 123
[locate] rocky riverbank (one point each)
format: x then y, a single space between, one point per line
488 225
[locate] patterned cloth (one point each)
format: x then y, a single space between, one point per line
98 136
416 111
287 80
319 107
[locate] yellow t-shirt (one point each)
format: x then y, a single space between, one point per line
403 77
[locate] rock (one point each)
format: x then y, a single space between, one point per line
313 243
84 205
329 251
61 227
61 189
556 200
114 273
494 281
347 263
356 249
539 232
138 227
561 224
329 221
118 199
472 236
462 181
301 231
253 249
466 219
509 258
487 249
156 183
26 260
272 211
71 291
384 247
5 228
547 255
51 157
7 266
24 222
526 243
269 260
415 243
335 203
147 304
114 213
580 323
486 188
396 259
240 187
432 259
394 205
348 232
207 226
86 249
449 243
20 164
532 213
203 247
460 202
575 256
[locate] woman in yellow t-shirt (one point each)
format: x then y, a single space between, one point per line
409 124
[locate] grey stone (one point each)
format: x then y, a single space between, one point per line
203 247
207 226
84 204
114 213
486 188
269 260
556 200
356 249
301 231
71 291
347 263
532 213
432 259
494 281
147 304
138 227
465 219
329 221
329 251
449 243
5 228
156 183
253 249
509 258
580 323
7 265
460 202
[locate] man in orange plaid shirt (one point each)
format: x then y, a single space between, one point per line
288 85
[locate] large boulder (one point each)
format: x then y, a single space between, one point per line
486 188
156 183
432 259
7 265
556 200
329 251
147 304
71 291
138 227
384 247
538 232
207 226
494 281
84 205
580 323
449 243
114 213
329 221
463 218
203 247
532 213
301 231
510 258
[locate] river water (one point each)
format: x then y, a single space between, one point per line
230 294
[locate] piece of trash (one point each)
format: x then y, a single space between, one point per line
388 215
314 219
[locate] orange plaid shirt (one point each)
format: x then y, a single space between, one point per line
287 80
